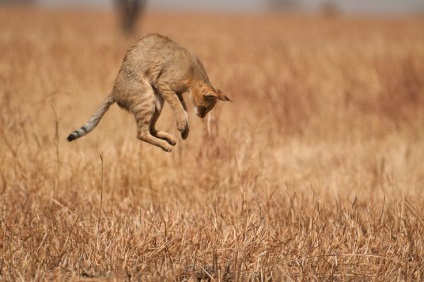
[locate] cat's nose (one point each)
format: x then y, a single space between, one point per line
203 113
200 112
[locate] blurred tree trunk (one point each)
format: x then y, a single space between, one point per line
329 8
129 11
283 4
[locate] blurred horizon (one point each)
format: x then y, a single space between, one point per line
342 6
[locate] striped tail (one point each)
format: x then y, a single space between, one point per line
93 121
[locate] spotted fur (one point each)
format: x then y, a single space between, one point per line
154 70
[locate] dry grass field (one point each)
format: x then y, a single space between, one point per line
315 171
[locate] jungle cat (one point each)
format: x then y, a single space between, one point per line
154 70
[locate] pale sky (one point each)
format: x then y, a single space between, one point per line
355 6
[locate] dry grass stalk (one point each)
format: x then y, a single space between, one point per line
314 172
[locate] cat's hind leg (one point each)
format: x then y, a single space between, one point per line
157 133
143 106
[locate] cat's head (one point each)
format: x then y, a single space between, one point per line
205 99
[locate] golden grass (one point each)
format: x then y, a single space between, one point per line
314 172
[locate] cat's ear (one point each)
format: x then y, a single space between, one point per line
217 95
222 97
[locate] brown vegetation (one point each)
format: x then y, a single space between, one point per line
314 172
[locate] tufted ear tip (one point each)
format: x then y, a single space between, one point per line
225 98
221 96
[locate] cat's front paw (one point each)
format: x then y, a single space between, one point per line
184 134
182 125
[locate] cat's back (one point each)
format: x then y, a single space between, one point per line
156 55
157 48
156 41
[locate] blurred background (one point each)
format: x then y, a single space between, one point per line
130 12
320 154
344 6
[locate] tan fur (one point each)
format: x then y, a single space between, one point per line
154 70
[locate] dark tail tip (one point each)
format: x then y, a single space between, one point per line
72 137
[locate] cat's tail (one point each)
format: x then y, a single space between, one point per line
94 119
